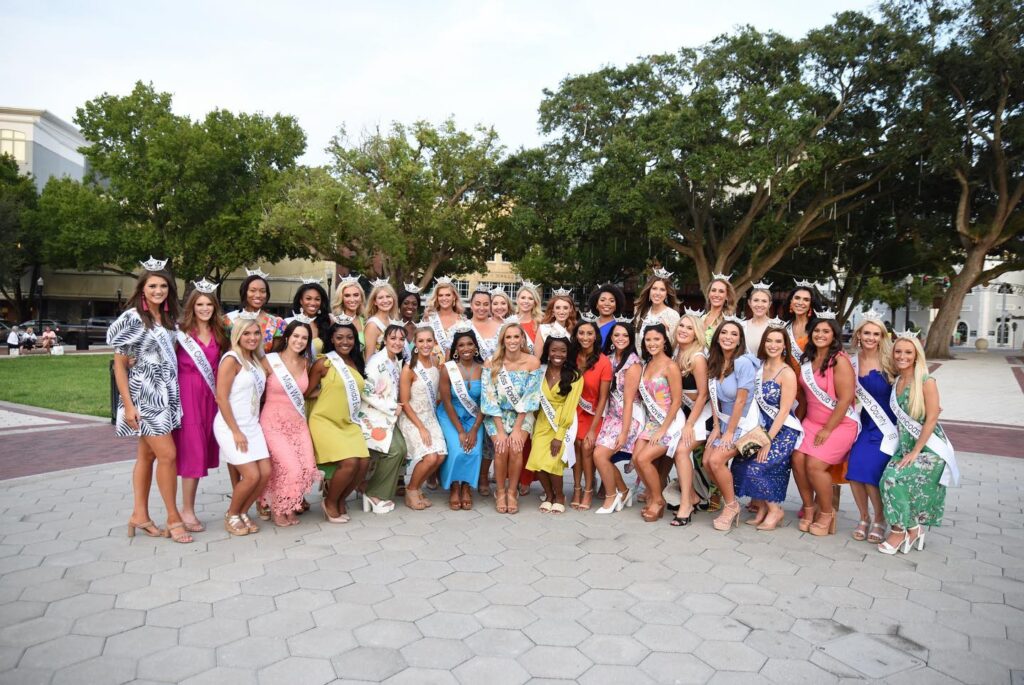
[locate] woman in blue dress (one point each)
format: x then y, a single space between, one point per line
872 363
764 478
607 303
460 418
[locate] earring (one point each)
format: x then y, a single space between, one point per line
145 305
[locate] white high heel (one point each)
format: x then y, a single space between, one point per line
902 546
917 542
615 506
382 507
627 500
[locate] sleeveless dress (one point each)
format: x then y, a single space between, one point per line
867 460
835 449
421 403
611 422
336 435
152 380
461 466
292 464
600 372
196 447
245 405
544 433
494 403
658 388
913 495
488 346
767 481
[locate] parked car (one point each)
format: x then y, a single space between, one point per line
93 329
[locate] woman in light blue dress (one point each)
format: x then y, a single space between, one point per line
461 419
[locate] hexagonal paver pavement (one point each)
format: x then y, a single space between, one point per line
477 597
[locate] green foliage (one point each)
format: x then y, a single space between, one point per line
19 232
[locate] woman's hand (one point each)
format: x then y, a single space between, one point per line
131 416
762 454
425 437
909 459
589 439
517 438
822 436
241 442
556 447
728 440
469 442
687 438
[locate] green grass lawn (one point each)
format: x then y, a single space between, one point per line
74 383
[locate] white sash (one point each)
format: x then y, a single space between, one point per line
459 388
587 406
351 387
488 346
529 343
439 333
509 390
746 423
700 431
939 445
259 381
619 395
674 430
421 373
807 373
163 338
197 356
793 347
773 411
569 441
890 436
288 382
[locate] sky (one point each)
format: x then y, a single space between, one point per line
358 65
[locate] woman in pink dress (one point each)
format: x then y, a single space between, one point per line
202 339
293 470
829 423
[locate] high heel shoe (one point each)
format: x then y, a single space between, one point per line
772 522
145 527
827 527
903 545
911 543
627 500
729 517
805 523
615 506
501 500
382 507
342 518
414 500
650 514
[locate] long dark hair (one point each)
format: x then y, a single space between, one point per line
169 317
660 328
392 327
609 349
815 302
616 292
569 373
244 289
834 348
356 355
787 356
595 350
453 355
323 315
717 365
281 342
188 322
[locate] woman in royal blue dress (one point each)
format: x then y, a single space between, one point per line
878 439
460 417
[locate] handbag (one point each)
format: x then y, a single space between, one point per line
751 442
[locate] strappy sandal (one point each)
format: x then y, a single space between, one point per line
454 503
196 527
414 500
577 495
588 499
860 533
805 523
262 510
512 502
253 528
146 527
467 498
826 526
235 525
501 501
877 533
183 538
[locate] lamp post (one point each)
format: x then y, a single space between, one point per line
908 281
329 276
39 308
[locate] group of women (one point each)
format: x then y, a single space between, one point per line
358 393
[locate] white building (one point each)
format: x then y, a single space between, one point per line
42 144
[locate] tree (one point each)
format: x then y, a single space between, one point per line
189 191
731 155
967 107
18 235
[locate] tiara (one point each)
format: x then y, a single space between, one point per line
510 320
257 272
442 280
249 316
777 323
699 313
302 318
379 282
424 324
342 319
528 284
412 288
561 292
346 281
462 326
205 287
800 283
312 281
497 290
738 320
906 335
721 277
623 319
871 315
154 264
558 331
588 317
761 285
825 314
396 322
651 321
661 273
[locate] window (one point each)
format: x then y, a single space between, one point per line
13 144
1003 334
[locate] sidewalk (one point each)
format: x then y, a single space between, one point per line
986 387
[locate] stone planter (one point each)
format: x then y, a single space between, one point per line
981 344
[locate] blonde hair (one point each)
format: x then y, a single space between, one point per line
549 311
432 308
729 308
370 308
508 300
536 312
241 326
338 301
498 358
884 347
684 355
915 399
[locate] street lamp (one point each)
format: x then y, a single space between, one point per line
908 281
329 275
118 298
39 309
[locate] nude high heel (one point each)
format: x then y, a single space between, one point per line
827 527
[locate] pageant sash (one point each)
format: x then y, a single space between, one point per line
509 390
163 338
488 346
890 436
587 407
674 430
569 441
287 380
939 445
807 373
773 412
198 358
439 333
349 381
794 349
259 385
459 388
424 377
745 424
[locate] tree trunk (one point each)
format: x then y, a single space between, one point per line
941 330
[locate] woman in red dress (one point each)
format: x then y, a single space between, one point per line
597 377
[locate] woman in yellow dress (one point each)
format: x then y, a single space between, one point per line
555 429
338 440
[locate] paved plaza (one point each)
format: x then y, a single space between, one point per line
479 597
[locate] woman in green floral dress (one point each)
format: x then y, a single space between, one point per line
915 480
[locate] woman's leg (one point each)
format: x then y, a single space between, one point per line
644 458
549 490
162 446
263 477
803 483
821 480
577 475
684 473
142 481
860 497
515 467
875 497
385 477
587 457
189 488
342 481
244 490
611 478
